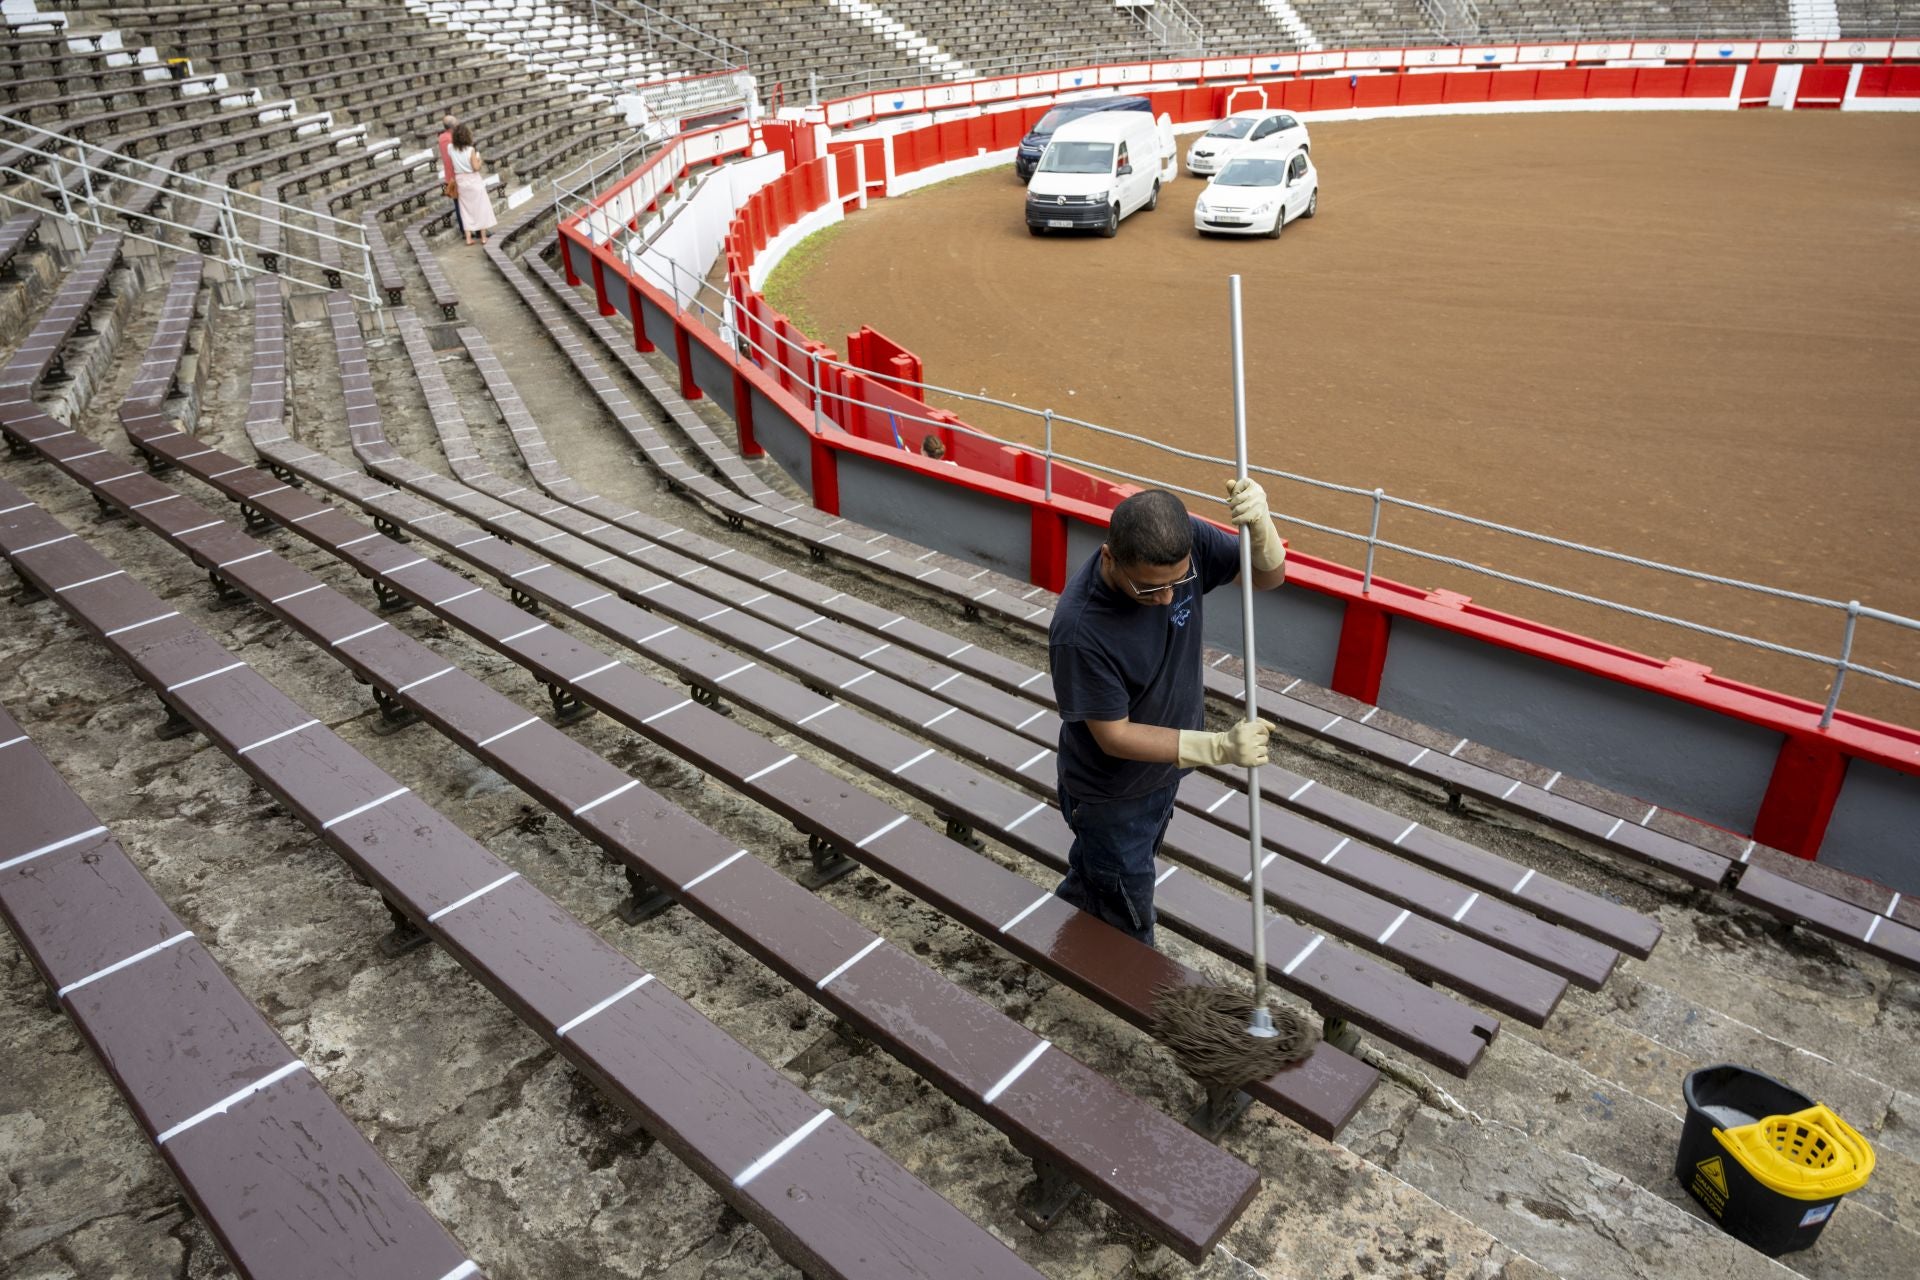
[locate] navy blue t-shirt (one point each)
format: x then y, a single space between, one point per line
1117 659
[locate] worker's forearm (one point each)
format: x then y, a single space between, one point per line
1151 743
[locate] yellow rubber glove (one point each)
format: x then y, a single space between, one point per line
1247 507
1243 746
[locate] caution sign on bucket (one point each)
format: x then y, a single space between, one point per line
1710 1185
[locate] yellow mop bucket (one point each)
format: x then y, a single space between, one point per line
1767 1162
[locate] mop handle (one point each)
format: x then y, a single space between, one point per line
1262 1021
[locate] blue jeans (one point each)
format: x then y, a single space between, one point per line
1110 867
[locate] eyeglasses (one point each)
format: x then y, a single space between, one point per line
1141 593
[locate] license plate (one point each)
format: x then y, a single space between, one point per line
1231 222
1058 222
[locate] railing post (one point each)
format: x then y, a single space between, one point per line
1840 668
60 181
230 233
813 358
86 181
1373 539
1047 466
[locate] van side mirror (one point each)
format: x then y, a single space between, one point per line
1124 170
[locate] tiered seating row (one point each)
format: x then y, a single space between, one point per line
1636 933
733 581
1113 969
1842 920
1348 986
728 1115
1105 1140
281 1178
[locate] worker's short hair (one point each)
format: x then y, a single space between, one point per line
1151 527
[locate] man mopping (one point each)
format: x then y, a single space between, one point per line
1125 647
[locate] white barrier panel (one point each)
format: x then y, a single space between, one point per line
1842 50
1791 48
1727 50
692 240
1214 68
1375 58
1322 61
1672 51
1547 52
1274 64
1489 56
1906 48
1433 58
1176 70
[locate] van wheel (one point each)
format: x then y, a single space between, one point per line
1112 227
1313 204
1153 201
1279 223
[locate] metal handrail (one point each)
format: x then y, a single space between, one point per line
814 373
96 182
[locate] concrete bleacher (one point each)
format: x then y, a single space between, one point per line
1519 20
1879 17
804 745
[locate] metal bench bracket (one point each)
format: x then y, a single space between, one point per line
394 714
1049 1195
829 864
957 830
405 935
390 599
567 706
645 899
1219 1111
174 726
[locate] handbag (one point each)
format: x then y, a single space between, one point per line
452 189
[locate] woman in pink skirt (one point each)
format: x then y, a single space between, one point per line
476 211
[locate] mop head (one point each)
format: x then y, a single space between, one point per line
1206 1028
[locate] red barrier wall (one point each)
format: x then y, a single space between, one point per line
1811 765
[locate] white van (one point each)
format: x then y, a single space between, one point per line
1098 169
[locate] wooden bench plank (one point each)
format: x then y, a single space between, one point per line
179 1041
649 1047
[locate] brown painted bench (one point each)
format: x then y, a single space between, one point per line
63 106
281 1178
1488 875
953 1039
41 356
1399 1010
1128 1154
445 296
1008 746
18 232
770 1151
1322 1093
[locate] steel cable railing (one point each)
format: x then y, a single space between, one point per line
689 292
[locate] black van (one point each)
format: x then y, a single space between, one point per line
1027 158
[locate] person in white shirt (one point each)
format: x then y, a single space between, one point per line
476 210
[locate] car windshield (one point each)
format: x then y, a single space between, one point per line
1232 127
1055 118
1077 157
1252 172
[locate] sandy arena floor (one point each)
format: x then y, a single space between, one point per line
1692 338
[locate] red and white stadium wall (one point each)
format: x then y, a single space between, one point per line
1672 732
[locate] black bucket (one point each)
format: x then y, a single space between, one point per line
1726 1097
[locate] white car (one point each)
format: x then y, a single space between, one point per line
1258 194
1263 126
